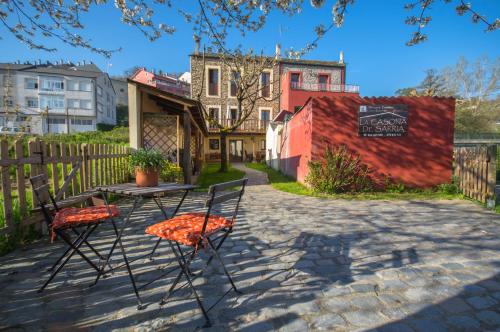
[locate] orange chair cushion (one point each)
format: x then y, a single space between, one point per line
72 216
186 228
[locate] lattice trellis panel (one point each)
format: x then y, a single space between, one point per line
192 146
160 133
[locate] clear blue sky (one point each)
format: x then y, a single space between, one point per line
373 40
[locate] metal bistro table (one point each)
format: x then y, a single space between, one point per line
138 193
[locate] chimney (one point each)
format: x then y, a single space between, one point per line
196 44
278 51
84 62
341 57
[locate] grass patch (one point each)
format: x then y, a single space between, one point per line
287 184
210 175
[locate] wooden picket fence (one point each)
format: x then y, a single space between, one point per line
101 164
475 171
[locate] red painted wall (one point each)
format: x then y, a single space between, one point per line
296 153
423 158
294 97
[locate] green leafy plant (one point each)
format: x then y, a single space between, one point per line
392 186
340 171
146 159
171 172
449 188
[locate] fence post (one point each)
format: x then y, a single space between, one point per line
6 187
492 171
21 186
85 167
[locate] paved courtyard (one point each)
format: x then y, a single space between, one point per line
302 264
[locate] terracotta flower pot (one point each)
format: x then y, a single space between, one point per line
146 177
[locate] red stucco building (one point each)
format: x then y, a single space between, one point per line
420 157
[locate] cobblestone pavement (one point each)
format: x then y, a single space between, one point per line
303 263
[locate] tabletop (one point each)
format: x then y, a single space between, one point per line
131 189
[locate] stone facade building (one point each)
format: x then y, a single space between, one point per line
212 77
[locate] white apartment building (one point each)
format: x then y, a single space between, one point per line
55 97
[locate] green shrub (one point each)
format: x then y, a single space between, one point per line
341 171
392 186
171 172
449 188
146 159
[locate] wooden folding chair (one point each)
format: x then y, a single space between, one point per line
62 221
197 231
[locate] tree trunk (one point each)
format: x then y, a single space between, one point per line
223 152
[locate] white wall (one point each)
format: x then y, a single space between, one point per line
273 144
20 93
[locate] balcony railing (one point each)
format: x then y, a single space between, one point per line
324 87
248 126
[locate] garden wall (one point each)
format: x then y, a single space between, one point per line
422 157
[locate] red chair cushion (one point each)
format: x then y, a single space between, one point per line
186 228
72 216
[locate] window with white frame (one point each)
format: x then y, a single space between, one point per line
82 122
99 107
232 115
265 84
73 103
31 102
52 84
85 104
85 86
57 121
213 81
52 102
73 85
233 83
264 117
31 83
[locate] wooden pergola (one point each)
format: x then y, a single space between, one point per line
169 123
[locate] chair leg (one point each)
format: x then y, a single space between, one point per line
185 271
77 249
176 281
74 246
89 245
209 260
216 255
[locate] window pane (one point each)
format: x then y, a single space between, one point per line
32 102
73 103
295 80
51 102
323 82
85 104
73 85
31 83
213 82
85 86
264 115
266 84
234 79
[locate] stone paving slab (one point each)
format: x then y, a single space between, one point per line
303 263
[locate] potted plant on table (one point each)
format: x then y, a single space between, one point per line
147 165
